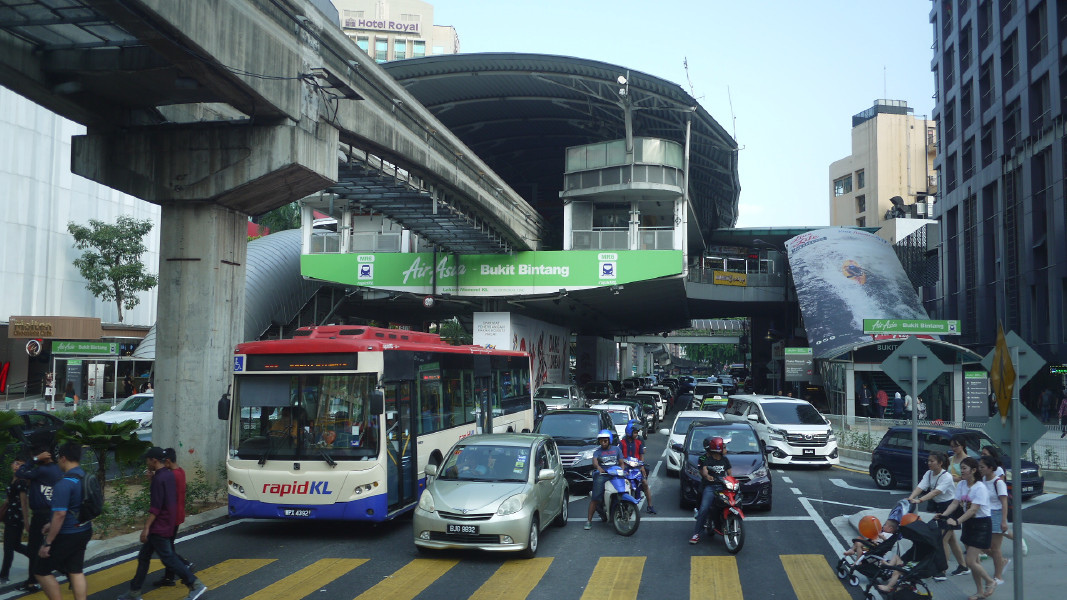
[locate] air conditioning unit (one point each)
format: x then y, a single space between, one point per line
920 209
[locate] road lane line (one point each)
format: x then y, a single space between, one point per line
795 491
409 581
615 577
786 479
648 519
842 503
311 578
1040 500
851 470
841 483
714 577
514 580
827 533
213 577
812 578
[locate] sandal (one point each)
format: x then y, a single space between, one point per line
989 589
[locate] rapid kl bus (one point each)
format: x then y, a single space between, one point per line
340 422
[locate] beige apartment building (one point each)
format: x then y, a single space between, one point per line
893 154
395 29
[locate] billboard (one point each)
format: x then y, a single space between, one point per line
548 345
842 277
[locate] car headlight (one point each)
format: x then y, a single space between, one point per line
1037 473
759 473
586 455
830 437
776 435
426 502
511 505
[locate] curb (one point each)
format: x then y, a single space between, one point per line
130 541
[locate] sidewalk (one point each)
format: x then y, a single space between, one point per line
128 542
1047 553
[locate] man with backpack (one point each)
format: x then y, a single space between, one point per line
68 533
159 528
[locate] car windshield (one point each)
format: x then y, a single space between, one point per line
792 413
547 392
738 440
619 416
570 426
136 404
681 424
599 389
486 462
704 388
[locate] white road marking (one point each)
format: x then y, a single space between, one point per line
842 503
645 517
786 479
1039 500
795 491
816 518
841 483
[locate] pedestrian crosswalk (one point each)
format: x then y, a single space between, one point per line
809 576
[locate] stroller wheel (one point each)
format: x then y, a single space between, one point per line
842 569
869 596
854 581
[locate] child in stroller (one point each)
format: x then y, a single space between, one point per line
924 559
868 551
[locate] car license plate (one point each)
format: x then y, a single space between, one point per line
1028 488
297 512
809 451
464 529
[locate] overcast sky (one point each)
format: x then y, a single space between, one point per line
796 71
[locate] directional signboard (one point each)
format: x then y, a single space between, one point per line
898 366
1030 429
799 364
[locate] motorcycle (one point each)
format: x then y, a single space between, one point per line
622 496
730 523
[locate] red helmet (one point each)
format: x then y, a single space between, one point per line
714 444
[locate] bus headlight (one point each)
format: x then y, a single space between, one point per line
426 502
511 505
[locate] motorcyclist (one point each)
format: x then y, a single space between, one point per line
632 447
603 457
713 467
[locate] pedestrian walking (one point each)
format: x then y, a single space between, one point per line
1048 403
883 403
159 529
1063 415
920 407
41 473
973 497
865 402
170 460
898 406
15 508
66 537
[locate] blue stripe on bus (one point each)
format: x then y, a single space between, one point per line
355 510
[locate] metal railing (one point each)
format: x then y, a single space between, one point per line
705 275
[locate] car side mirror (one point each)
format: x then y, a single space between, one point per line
753 417
546 475
431 470
664 431
677 447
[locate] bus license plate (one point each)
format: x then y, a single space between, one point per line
809 451
464 529
298 512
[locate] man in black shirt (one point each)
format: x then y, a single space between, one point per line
42 473
713 467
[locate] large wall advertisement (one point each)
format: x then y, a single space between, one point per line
547 344
842 277
493 274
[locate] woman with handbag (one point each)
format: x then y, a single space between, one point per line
937 488
973 496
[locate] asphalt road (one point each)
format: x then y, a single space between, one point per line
789 553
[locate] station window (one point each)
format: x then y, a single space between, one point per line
861 203
363 42
861 179
418 48
861 222
843 185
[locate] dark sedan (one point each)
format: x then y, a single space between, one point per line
746 456
38 427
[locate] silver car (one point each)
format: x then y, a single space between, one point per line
493 492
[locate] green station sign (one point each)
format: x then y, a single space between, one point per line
911 327
522 273
80 347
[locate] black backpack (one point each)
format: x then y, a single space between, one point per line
92 497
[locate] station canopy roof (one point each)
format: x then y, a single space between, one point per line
519 112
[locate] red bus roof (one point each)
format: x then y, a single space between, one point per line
357 338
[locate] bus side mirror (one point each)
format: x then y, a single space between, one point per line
224 407
377 402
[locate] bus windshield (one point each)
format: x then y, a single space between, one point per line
304 416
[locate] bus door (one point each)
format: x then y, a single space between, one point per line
402 471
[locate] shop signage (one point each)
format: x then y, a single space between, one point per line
730 278
911 327
799 363
493 274
976 396
77 347
1057 369
30 328
70 328
382 25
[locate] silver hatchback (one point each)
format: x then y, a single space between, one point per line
493 492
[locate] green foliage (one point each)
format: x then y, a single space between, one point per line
453 333
116 439
282 218
8 420
111 263
855 440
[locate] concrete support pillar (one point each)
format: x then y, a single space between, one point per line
625 360
201 319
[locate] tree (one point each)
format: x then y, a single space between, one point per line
286 216
111 263
118 439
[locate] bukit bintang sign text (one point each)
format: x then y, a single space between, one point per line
396 26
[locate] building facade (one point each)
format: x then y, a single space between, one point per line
395 29
893 155
1001 79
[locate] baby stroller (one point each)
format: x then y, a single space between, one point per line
923 560
869 564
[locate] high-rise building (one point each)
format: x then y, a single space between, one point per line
1001 82
892 156
395 29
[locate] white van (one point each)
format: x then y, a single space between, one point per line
795 433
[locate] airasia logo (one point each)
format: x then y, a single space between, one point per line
307 488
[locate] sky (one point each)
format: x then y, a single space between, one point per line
783 76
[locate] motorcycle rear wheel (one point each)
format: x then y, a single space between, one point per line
625 517
734 533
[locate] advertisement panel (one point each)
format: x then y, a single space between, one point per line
547 344
729 278
911 326
842 277
493 274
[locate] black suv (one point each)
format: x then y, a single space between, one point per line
598 391
575 431
38 427
891 460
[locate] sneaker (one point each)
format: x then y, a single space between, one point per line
164 582
650 510
27 587
196 590
961 570
695 539
998 580
940 576
588 525
130 595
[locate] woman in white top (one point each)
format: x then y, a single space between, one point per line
973 496
937 487
998 514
